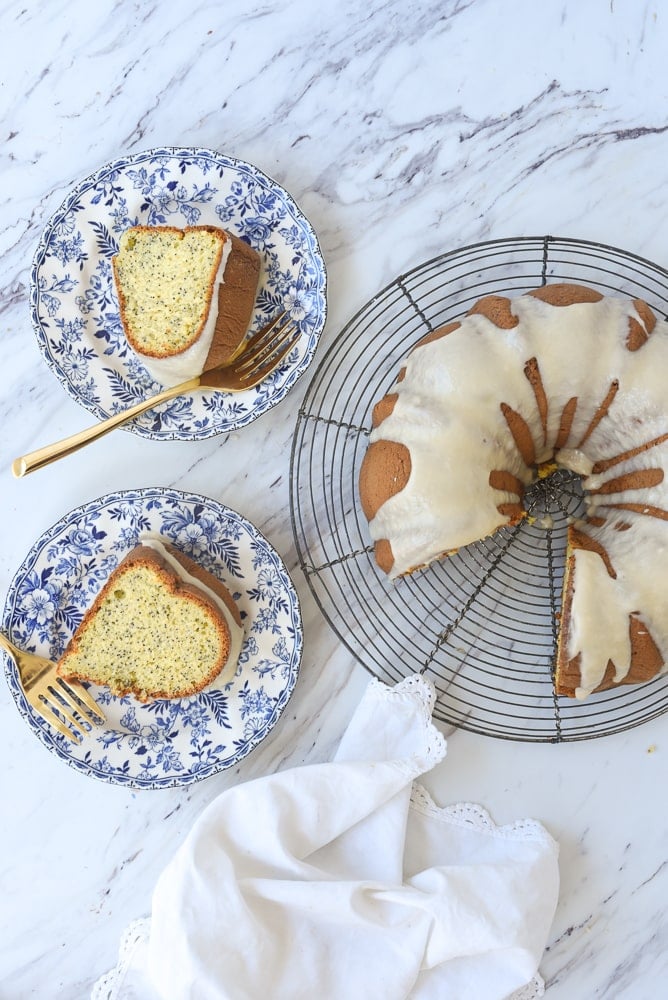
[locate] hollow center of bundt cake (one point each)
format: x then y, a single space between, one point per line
555 494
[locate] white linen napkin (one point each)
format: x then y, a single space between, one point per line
344 881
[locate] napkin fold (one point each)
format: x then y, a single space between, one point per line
344 880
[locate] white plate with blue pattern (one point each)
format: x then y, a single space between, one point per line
163 743
73 301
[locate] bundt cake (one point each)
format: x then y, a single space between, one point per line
161 627
482 406
186 297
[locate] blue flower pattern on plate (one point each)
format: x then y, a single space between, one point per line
163 743
73 301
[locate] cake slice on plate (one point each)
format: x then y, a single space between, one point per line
161 627
186 297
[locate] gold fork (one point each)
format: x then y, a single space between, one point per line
261 355
44 691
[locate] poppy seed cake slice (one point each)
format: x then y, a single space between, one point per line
161 627
186 297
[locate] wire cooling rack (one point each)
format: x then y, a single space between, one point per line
482 624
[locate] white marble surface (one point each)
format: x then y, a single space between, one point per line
403 129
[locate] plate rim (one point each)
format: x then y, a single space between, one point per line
71 197
41 729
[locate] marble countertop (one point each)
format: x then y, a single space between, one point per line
403 131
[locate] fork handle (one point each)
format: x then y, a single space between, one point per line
51 452
30 670
9 646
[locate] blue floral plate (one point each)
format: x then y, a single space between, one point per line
163 743
73 300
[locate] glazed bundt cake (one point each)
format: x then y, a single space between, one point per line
186 297
161 627
559 375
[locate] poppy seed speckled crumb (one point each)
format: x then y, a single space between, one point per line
151 634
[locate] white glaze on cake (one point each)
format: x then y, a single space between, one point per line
448 415
236 632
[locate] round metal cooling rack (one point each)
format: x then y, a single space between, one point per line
482 624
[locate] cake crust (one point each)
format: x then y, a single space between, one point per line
236 301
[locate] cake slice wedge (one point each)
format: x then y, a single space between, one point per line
572 678
186 297
161 627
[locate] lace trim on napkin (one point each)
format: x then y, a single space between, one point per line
415 685
108 985
416 688
471 815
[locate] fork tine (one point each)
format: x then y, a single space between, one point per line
46 711
51 699
72 689
262 336
251 361
264 341
270 364
71 696
248 345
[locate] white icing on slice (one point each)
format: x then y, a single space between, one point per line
236 631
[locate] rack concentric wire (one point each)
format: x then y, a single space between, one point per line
483 623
